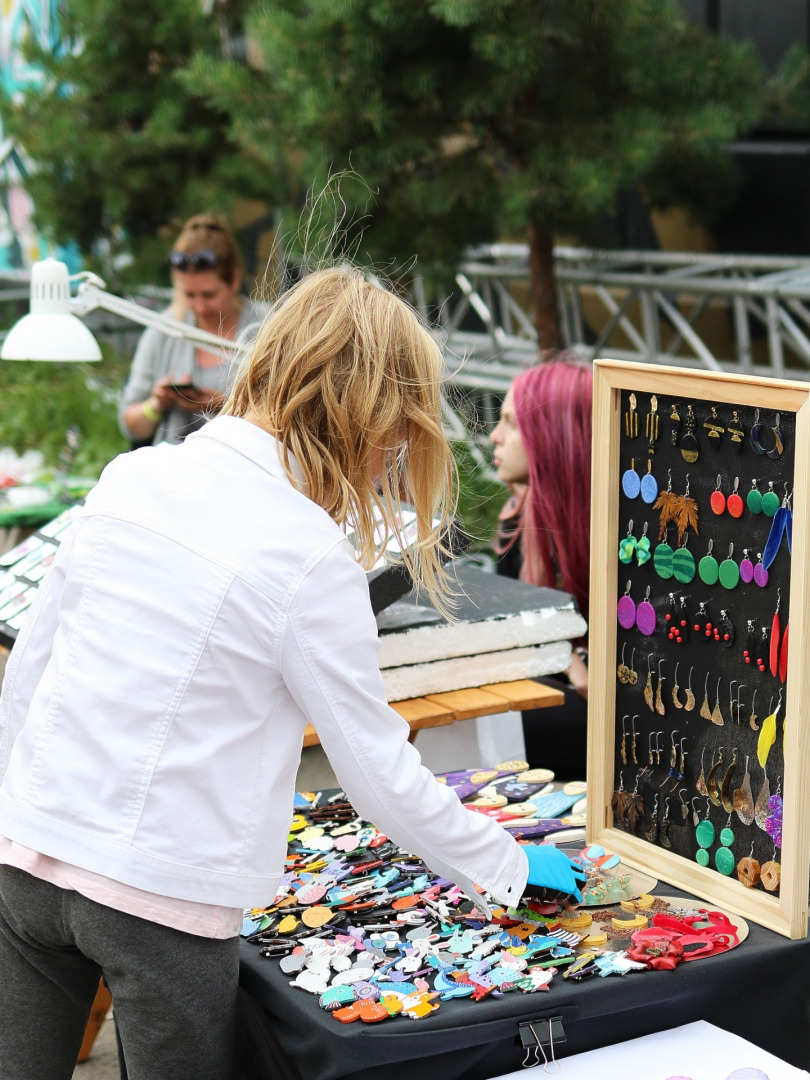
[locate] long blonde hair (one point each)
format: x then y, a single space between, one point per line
345 376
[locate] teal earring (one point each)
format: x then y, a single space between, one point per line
643 553
663 558
704 834
724 859
683 562
627 545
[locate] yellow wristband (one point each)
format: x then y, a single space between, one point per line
150 413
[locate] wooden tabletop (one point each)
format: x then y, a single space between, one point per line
437 710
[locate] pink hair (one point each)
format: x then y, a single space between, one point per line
553 413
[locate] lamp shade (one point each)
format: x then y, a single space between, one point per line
50 331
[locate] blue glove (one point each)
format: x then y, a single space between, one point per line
550 868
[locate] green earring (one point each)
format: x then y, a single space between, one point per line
724 857
643 553
770 501
729 571
627 545
708 569
683 563
754 499
704 834
663 558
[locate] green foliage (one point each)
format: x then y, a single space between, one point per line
39 402
122 147
480 499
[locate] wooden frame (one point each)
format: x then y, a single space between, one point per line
785 913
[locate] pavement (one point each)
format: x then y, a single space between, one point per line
315 774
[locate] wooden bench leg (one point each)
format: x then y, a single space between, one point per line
100 1008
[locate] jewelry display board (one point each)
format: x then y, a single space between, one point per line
698 749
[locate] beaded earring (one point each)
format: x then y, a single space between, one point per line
704 834
734 503
724 860
689 704
725 633
677 623
708 568
705 627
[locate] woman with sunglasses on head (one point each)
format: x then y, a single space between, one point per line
174 384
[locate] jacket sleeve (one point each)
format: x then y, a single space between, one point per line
330 665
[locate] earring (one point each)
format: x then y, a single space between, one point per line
717 713
633 743
683 562
645 615
718 499
724 858
643 547
750 650
658 749
744 799
690 447
623 747
708 569
776 632
749 870
773 824
705 711
631 419
626 610
700 785
681 773
734 503
778 447
707 628
767 735
623 671
729 572
704 834
650 751
649 826
678 629
632 675
782 526
711 779
762 650
627 546
725 632
676 424
659 700
631 481
680 509
760 573
663 833
684 806
736 432
675 689
746 568
689 704
715 429
648 690
663 558
770 501
651 424
673 761
739 706
752 719
725 786
754 499
761 807
783 655
649 485
771 873
619 804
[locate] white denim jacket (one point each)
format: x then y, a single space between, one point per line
202 611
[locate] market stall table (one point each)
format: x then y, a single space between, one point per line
758 990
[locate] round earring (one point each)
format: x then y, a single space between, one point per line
704 834
708 568
683 562
760 573
724 857
754 499
746 568
734 503
649 485
728 571
770 501
718 499
645 615
663 558
631 482
626 610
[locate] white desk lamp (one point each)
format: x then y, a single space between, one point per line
52 331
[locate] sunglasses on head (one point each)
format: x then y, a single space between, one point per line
199 260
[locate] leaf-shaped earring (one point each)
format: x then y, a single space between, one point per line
623 671
752 719
725 785
744 799
708 568
711 780
761 809
767 736
649 826
675 690
684 806
627 545
701 780
663 833
779 528
648 689
632 677
717 712
689 704
705 709
660 708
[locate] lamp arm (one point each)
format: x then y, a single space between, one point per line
90 298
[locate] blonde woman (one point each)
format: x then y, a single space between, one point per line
205 608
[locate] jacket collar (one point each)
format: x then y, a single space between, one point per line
251 441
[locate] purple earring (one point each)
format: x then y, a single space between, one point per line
760 573
626 610
645 615
746 568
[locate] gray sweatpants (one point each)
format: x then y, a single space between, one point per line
174 994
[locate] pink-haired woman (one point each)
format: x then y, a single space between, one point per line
543 454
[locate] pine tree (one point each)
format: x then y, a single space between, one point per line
121 147
478 119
